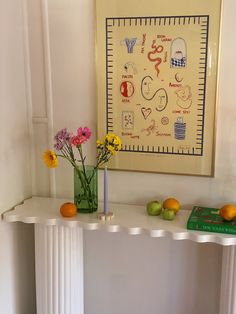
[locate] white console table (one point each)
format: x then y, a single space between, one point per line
59 249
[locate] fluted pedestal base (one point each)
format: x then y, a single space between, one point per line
228 280
59 269
59 249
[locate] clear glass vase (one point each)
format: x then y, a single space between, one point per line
86 189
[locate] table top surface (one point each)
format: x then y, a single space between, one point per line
129 218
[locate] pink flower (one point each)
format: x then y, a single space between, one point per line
75 140
83 134
62 138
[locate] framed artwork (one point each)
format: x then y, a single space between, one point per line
157 70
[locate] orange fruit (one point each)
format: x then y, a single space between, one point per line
171 203
228 212
68 209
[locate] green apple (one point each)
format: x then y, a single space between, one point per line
154 208
168 214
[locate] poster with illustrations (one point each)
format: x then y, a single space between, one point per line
157 83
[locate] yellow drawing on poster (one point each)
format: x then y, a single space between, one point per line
158 90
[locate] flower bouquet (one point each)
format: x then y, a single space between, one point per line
69 146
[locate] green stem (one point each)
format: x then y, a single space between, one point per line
84 178
87 190
73 163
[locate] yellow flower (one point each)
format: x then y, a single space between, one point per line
50 159
109 137
117 142
100 144
111 149
113 140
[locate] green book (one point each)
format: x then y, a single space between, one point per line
209 220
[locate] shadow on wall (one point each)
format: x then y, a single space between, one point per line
17 273
139 274
25 269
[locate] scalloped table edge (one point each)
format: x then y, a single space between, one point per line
50 216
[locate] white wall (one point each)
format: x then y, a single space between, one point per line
14 135
174 277
138 274
71 26
17 281
16 240
187 275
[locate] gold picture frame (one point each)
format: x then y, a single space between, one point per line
157 68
